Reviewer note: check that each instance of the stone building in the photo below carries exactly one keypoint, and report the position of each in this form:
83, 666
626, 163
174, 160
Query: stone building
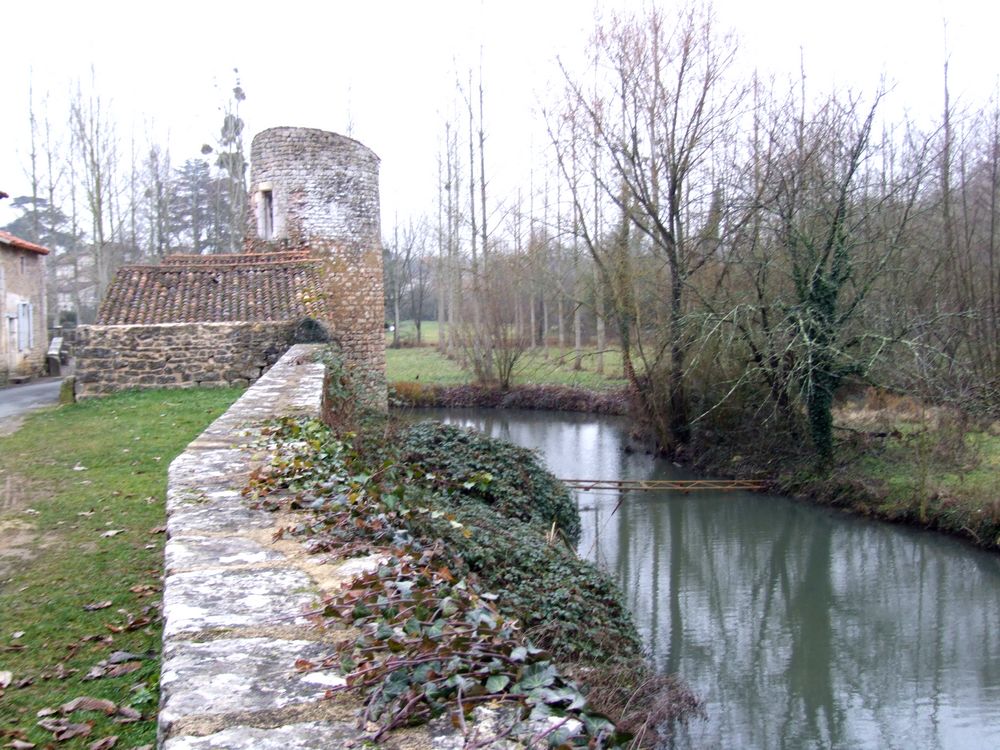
23, 340
311, 271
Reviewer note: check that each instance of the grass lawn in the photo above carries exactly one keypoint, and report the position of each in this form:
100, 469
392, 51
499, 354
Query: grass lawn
424, 364
408, 333
81, 560
553, 366
557, 369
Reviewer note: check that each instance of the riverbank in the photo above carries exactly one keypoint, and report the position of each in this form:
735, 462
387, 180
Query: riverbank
479, 595
553, 397
898, 461
923, 468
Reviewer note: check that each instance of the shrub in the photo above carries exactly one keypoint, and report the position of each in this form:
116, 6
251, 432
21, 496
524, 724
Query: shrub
413, 393
506, 477
566, 605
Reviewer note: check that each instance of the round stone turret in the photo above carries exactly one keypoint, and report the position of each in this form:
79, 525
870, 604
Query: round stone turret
310, 188
315, 191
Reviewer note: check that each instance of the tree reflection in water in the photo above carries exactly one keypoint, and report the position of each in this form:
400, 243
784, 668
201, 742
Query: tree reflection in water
799, 627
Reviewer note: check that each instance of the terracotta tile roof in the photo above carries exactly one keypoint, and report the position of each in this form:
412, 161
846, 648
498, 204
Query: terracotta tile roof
9, 239
194, 289
242, 259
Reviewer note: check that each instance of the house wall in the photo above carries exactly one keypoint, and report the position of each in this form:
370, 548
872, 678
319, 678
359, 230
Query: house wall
22, 280
310, 189
176, 355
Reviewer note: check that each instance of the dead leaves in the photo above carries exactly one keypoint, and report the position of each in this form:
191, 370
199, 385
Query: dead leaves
149, 614
94, 606
116, 665
127, 715
121, 714
105, 669
7, 679
64, 729
85, 703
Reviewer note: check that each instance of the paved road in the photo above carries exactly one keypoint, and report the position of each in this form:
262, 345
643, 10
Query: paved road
18, 400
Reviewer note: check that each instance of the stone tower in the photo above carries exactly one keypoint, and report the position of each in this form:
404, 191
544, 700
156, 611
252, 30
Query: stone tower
315, 191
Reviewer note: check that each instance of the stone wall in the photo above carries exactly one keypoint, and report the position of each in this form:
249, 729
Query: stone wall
324, 192
176, 355
310, 189
237, 599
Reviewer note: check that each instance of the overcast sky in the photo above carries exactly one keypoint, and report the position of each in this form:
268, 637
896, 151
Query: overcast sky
385, 69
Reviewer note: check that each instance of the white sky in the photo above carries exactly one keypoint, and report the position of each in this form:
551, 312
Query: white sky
387, 67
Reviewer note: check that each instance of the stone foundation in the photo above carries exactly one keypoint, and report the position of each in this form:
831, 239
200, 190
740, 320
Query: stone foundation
176, 355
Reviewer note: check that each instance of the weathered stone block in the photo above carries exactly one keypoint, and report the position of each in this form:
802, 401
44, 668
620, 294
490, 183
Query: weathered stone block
220, 598
313, 735
239, 675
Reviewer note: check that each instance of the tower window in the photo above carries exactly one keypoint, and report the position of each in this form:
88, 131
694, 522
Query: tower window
267, 214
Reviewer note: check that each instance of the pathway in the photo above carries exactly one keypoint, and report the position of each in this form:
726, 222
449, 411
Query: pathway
17, 400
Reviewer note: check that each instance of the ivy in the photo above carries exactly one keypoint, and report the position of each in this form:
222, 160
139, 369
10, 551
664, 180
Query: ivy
455, 617
432, 643
518, 487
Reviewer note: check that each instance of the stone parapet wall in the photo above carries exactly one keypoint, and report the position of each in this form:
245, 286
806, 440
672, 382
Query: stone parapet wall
176, 355
237, 599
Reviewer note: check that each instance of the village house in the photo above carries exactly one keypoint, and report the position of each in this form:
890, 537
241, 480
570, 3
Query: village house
23, 340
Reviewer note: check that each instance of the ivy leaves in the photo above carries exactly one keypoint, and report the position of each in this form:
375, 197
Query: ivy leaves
431, 643
506, 477
433, 640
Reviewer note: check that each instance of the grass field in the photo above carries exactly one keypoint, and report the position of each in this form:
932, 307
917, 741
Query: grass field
424, 364
81, 560
550, 366
408, 333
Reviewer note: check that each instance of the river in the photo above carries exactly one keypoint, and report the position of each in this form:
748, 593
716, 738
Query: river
799, 627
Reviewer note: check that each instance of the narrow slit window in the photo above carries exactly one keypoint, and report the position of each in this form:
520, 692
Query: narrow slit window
267, 214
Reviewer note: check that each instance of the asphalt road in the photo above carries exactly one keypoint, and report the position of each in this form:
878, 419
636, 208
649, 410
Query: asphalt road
18, 400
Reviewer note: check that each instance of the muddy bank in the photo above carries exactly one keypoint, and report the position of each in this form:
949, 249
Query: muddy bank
548, 397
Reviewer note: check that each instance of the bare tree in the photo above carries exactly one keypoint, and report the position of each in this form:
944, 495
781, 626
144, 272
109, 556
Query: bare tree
656, 123
96, 154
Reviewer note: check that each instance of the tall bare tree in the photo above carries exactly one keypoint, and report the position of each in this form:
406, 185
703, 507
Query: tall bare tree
657, 120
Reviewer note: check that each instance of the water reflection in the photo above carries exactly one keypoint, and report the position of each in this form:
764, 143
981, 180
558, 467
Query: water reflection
801, 628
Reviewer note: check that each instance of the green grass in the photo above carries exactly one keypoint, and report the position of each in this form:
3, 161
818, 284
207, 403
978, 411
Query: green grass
909, 468
72, 475
424, 364
557, 369
408, 333
553, 366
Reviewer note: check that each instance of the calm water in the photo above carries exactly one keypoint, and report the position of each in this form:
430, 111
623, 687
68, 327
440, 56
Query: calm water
799, 627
